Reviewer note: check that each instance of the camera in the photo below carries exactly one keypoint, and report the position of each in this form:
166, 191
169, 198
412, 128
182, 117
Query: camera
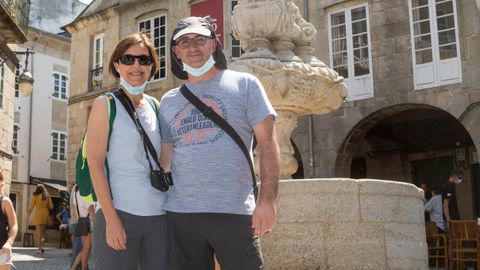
161, 180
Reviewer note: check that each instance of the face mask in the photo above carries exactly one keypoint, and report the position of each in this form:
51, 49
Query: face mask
458, 180
134, 90
197, 72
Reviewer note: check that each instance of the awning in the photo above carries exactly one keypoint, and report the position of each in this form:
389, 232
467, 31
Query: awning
60, 185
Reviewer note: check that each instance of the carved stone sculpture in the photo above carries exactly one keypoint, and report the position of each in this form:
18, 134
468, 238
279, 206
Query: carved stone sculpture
277, 43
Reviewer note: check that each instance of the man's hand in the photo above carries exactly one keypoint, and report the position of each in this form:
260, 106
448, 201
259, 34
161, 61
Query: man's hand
264, 218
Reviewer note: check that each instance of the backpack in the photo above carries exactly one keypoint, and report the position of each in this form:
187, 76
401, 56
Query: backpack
82, 175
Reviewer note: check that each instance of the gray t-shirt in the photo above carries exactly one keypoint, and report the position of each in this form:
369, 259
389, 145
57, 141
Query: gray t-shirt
210, 172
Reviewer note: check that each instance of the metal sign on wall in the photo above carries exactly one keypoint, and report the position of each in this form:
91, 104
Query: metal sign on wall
214, 9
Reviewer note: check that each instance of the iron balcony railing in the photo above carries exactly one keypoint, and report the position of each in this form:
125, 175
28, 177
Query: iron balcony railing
96, 79
19, 11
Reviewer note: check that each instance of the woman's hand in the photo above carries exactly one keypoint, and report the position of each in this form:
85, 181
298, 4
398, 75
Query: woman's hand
115, 234
7, 248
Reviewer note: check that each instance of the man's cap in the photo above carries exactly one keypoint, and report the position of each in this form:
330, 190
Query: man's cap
192, 25
200, 26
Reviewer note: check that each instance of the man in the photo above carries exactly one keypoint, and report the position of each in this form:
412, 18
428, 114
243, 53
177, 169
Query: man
450, 209
211, 207
435, 208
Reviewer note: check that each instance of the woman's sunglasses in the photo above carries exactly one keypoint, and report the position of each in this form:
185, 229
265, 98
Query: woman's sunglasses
129, 59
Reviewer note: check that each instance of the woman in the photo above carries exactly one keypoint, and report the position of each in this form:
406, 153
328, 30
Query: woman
83, 209
8, 228
42, 202
130, 226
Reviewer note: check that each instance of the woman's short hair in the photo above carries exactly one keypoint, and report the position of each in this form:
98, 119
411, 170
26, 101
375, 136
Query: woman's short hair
128, 42
1, 176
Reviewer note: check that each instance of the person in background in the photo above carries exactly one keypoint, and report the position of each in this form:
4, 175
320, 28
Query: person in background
426, 196
8, 228
63, 217
84, 209
434, 207
130, 228
42, 203
76, 240
211, 208
449, 197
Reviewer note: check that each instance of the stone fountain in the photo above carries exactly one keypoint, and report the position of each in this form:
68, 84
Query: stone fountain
323, 223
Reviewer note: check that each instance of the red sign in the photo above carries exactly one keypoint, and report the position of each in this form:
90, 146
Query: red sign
214, 9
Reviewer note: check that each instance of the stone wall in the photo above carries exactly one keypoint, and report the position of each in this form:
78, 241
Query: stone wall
347, 224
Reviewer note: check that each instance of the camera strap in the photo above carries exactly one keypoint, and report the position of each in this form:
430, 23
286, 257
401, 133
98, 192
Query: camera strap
147, 144
223, 124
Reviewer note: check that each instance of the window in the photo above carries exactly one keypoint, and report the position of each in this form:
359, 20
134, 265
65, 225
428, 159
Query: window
435, 53
59, 86
156, 29
96, 73
59, 142
17, 75
350, 50
235, 48
15, 138
2, 83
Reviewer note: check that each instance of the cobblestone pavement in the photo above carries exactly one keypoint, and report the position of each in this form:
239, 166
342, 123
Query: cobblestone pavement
52, 259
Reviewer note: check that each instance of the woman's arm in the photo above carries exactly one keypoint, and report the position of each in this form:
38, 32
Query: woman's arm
97, 140
8, 209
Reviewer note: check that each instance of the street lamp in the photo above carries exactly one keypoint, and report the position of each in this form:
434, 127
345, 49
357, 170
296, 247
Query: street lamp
25, 80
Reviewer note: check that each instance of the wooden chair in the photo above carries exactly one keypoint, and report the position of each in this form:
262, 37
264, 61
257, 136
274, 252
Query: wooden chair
464, 235
437, 245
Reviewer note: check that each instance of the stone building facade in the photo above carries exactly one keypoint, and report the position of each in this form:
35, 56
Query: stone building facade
40, 124
13, 31
412, 111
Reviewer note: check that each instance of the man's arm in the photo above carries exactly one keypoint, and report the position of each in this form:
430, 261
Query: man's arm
265, 216
446, 212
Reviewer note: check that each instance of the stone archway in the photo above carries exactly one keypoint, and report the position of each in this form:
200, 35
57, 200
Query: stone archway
407, 128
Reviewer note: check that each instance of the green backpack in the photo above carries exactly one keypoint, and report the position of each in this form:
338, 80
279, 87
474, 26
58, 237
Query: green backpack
83, 179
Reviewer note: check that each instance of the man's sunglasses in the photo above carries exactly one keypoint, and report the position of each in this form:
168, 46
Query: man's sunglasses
187, 42
129, 59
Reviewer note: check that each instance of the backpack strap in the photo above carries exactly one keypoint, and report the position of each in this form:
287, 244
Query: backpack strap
153, 102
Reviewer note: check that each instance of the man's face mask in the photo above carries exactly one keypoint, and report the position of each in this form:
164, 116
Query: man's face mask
458, 180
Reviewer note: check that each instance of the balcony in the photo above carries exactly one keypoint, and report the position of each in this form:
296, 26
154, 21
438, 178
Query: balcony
14, 16
96, 79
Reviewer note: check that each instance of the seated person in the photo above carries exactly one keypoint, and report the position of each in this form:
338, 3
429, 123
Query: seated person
434, 206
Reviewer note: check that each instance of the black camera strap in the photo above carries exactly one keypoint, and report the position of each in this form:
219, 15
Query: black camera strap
223, 124
147, 144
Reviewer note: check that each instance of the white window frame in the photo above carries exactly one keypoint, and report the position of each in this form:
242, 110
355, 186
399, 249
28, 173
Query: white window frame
97, 61
16, 129
56, 143
359, 87
62, 93
234, 43
162, 50
438, 72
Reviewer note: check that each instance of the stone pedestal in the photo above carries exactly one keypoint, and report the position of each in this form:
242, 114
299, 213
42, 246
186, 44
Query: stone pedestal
347, 224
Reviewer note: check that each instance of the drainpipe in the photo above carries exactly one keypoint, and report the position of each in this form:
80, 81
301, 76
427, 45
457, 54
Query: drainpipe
311, 144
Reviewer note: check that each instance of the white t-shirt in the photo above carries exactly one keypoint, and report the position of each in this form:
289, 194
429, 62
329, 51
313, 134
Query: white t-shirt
82, 205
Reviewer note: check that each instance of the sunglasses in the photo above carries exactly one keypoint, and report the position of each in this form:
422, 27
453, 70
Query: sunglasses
128, 59
187, 42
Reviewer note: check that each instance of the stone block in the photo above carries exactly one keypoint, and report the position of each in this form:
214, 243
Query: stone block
391, 208
355, 246
384, 187
305, 240
406, 246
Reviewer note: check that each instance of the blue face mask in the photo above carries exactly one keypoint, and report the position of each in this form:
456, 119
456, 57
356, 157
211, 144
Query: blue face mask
134, 90
197, 72
458, 180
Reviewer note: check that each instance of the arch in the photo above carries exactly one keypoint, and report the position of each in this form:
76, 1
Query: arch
353, 141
